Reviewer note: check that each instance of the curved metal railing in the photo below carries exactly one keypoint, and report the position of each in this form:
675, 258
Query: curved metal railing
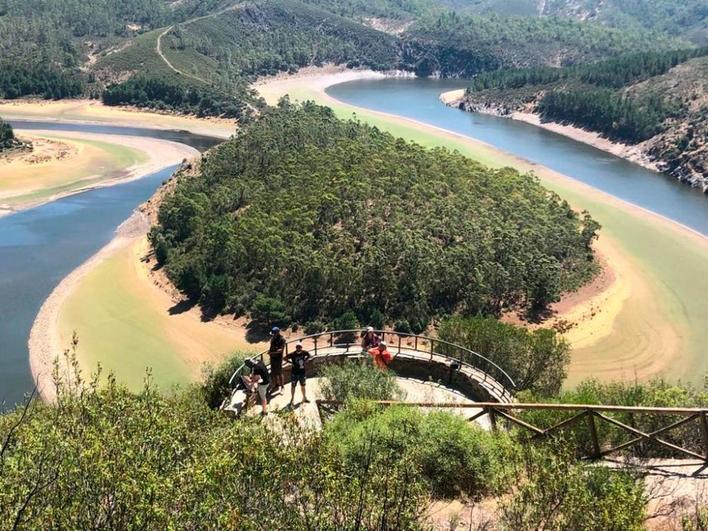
348, 342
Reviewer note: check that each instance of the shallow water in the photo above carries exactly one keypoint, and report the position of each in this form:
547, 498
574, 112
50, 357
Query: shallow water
42, 245
418, 99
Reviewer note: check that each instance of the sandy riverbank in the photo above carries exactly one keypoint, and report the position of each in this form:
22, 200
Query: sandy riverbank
128, 318
92, 111
646, 321
633, 322
70, 162
633, 154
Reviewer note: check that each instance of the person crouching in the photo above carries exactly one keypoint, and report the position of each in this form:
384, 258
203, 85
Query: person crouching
258, 381
381, 356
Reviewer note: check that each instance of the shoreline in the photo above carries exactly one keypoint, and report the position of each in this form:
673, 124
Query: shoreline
44, 343
160, 154
92, 112
318, 81
330, 78
633, 154
653, 318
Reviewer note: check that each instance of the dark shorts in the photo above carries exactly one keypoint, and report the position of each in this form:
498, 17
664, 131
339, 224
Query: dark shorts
276, 364
296, 377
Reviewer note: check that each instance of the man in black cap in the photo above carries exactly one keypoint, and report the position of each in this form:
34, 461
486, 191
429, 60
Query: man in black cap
275, 352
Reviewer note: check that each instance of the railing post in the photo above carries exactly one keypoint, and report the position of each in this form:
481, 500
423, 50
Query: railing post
399, 344
704, 431
416, 343
315, 340
593, 434
492, 418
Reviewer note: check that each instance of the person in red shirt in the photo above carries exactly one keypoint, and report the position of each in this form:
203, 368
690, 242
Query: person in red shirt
381, 356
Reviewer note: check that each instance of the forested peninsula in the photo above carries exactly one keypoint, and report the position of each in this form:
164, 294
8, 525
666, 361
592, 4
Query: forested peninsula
303, 219
654, 100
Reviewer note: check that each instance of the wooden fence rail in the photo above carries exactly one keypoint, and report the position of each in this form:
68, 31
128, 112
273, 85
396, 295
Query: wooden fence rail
593, 415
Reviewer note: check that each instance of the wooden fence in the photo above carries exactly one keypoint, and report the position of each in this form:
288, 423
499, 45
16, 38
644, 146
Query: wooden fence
592, 415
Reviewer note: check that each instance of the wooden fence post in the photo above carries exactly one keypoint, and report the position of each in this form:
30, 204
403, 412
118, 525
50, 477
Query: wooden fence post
593, 434
704, 431
492, 418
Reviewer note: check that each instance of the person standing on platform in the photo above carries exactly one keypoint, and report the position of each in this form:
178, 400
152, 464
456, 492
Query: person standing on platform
298, 374
275, 353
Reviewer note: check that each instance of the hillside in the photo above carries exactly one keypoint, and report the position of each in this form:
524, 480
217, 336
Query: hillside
454, 45
199, 57
351, 198
686, 19
655, 101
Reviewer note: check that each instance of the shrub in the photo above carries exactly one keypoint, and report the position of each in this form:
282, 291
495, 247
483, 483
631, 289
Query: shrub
269, 311
346, 321
535, 359
314, 327
454, 456
657, 393
358, 380
168, 462
376, 319
403, 326
558, 494
215, 386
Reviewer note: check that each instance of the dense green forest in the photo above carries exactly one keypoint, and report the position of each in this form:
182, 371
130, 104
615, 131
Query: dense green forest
305, 217
41, 80
464, 45
686, 19
170, 93
274, 36
68, 48
611, 73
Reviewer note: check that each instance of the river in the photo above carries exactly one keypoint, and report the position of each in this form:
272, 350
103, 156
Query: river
419, 100
42, 245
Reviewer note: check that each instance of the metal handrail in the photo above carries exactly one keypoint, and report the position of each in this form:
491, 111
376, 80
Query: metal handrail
485, 364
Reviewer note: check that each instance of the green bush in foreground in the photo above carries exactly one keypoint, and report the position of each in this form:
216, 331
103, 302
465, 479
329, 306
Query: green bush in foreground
358, 380
556, 493
107, 458
110, 459
454, 456
215, 382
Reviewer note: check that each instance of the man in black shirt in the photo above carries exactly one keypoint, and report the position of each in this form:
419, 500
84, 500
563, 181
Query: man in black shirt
275, 352
258, 380
298, 374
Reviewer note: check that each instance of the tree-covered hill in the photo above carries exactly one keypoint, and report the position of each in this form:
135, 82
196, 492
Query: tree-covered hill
657, 99
199, 56
311, 218
686, 19
451, 44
